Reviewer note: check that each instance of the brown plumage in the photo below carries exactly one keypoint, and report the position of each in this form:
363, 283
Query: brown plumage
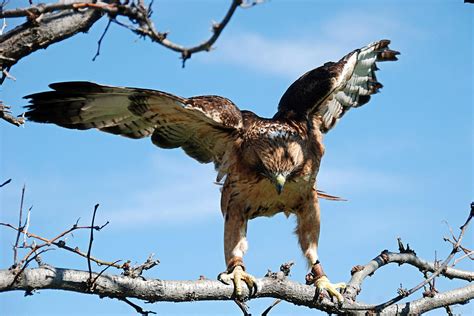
269, 165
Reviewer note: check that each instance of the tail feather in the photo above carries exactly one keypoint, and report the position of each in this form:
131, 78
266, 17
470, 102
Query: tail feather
324, 195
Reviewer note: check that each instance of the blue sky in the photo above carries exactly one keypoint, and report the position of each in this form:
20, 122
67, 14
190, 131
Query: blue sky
404, 161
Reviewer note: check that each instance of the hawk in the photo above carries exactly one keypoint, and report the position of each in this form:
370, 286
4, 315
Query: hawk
267, 165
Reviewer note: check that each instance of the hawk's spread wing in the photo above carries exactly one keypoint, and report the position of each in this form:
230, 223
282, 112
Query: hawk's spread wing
330, 90
203, 126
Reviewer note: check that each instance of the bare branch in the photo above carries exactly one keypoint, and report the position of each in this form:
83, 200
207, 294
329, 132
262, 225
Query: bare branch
249, 4
91, 240
26, 226
275, 303
50, 23
62, 244
274, 285
25, 265
115, 286
243, 307
135, 272
466, 251
102, 272
5, 183
361, 272
435, 273
5, 113
20, 221
138, 308
36, 10
99, 43
7, 75
4, 26
32, 35
466, 255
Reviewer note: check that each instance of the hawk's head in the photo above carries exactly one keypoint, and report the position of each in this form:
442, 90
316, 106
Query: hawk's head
279, 160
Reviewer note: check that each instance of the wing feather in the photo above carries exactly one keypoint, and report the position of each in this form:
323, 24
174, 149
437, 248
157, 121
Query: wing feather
329, 91
203, 126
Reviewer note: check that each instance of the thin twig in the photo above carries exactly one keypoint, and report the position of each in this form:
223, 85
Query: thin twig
243, 307
99, 43
4, 25
464, 249
5, 183
138, 308
468, 255
449, 311
91, 239
471, 215
18, 274
135, 272
20, 221
26, 225
5, 113
249, 4
442, 267
103, 270
269, 308
62, 244
7, 75
138, 14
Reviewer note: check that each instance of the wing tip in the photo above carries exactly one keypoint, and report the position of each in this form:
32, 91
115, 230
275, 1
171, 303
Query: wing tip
65, 86
382, 44
388, 55
75, 86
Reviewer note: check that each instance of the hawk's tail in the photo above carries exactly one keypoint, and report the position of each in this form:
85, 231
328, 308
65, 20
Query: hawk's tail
324, 195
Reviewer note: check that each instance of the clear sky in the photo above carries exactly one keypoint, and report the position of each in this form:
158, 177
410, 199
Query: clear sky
404, 161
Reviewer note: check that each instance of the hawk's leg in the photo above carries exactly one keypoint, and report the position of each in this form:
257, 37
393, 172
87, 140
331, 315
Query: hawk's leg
308, 220
235, 245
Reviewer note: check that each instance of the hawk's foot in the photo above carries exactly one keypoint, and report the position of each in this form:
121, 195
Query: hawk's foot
322, 283
332, 289
236, 276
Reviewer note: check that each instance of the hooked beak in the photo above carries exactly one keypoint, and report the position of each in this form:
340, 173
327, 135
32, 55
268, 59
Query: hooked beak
280, 183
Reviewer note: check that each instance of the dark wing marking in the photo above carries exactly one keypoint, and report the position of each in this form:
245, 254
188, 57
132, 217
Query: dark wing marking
202, 126
85, 105
329, 91
204, 132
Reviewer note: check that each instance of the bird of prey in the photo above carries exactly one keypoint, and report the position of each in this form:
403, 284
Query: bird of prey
267, 165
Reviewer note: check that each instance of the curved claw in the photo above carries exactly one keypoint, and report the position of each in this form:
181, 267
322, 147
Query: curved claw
323, 284
236, 277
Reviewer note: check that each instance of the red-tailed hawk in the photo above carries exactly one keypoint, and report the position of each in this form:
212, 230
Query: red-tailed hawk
269, 165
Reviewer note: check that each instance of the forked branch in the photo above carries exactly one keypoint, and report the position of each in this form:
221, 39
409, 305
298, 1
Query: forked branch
50, 23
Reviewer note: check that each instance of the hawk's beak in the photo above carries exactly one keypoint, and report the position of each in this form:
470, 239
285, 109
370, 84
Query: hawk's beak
280, 183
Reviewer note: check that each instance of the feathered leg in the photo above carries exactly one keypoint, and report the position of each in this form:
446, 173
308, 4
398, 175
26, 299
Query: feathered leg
235, 245
308, 220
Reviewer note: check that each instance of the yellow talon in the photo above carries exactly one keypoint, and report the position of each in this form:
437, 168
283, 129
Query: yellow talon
238, 275
323, 284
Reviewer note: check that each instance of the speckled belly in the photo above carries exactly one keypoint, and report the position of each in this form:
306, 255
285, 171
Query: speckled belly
260, 198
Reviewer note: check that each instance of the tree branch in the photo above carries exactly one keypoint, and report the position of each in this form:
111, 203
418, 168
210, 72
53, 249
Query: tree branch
5, 112
32, 36
50, 23
276, 285
115, 286
361, 272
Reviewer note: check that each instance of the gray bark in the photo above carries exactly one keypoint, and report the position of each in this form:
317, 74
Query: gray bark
54, 27
118, 286
354, 285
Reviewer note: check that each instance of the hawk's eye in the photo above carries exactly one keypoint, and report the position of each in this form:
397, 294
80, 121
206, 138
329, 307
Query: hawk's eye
260, 169
294, 173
